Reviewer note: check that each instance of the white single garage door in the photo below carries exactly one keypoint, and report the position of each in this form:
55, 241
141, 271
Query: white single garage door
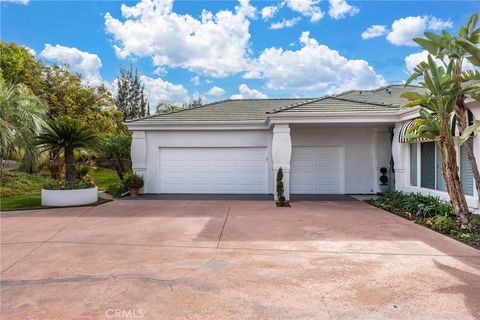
316, 170
213, 170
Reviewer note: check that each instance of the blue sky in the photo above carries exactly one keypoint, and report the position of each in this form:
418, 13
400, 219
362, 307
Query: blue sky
223, 49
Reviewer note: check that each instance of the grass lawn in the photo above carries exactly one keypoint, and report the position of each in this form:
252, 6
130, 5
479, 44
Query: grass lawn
31, 201
24, 201
104, 177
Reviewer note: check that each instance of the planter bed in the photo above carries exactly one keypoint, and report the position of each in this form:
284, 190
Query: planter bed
470, 237
64, 198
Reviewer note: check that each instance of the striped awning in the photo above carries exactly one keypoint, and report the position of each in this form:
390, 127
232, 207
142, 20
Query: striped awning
407, 125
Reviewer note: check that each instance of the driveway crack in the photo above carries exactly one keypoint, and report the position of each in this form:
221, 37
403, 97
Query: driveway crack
223, 227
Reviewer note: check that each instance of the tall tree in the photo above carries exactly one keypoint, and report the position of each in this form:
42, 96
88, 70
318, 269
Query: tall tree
18, 65
452, 51
437, 106
130, 98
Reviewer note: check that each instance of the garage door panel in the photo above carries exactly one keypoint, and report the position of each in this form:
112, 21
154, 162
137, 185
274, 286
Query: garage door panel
317, 170
213, 170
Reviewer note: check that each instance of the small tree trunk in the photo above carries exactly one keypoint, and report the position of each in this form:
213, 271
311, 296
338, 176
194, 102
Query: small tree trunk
70, 170
116, 163
452, 179
462, 123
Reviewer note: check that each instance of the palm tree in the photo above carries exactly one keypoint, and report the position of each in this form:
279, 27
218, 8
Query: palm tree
66, 134
22, 116
438, 104
452, 51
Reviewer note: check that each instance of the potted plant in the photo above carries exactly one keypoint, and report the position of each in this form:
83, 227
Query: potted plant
133, 182
64, 135
383, 180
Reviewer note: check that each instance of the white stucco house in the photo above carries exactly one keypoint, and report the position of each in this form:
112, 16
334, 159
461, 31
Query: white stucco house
329, 145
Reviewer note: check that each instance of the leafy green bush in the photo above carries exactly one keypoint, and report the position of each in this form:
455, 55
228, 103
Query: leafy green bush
132, 180
115, 189
443, 224
53, 185
413, 205
85, 183
15, 183
475, 222
83, 170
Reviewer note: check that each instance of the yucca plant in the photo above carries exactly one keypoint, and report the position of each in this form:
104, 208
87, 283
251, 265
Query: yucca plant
21, 118
66, 134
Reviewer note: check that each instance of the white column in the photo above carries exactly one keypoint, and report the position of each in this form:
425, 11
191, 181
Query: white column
139, 155
281, 155
399, 154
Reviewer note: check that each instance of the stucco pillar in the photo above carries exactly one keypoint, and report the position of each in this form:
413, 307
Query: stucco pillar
139, 155
281, 156
399, 154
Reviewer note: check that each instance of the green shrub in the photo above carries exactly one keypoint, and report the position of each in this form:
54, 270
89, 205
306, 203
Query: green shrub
280, 190
53, 185
413, 205
86, 183
83, 170
475, 221
132, 180
443, 224
115, 189
13, 183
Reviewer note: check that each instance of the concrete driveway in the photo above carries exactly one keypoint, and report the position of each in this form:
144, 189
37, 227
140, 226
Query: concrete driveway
180, 259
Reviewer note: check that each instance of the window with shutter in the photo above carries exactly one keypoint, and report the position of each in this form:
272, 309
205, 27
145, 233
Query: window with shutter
413, 164
427, 153
466, 174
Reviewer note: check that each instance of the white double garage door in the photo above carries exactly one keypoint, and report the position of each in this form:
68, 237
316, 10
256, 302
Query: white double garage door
245, 170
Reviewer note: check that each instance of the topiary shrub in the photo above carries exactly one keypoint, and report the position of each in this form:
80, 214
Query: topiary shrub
281, 201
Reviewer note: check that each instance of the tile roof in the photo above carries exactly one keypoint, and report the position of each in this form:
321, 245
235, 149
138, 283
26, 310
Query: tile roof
383, 99
336, 104
388, 95
248, 110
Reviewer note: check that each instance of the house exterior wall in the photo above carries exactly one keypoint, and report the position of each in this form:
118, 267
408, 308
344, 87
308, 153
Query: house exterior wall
366, 151
401, 155
154, 140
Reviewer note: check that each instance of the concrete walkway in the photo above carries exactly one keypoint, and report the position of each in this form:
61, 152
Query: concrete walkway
232, 259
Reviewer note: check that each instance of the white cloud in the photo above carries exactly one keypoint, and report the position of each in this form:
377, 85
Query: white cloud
308, 8
86, 64
340, 9
30, 50
374, 32
216, 91
25, 2
439, 24
246, 93
285, 23
313, 67
269, 12
405, 29
158, 90
195, 80
412, 60
214, 44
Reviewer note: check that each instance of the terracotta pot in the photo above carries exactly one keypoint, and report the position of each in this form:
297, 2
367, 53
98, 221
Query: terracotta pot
134, 192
